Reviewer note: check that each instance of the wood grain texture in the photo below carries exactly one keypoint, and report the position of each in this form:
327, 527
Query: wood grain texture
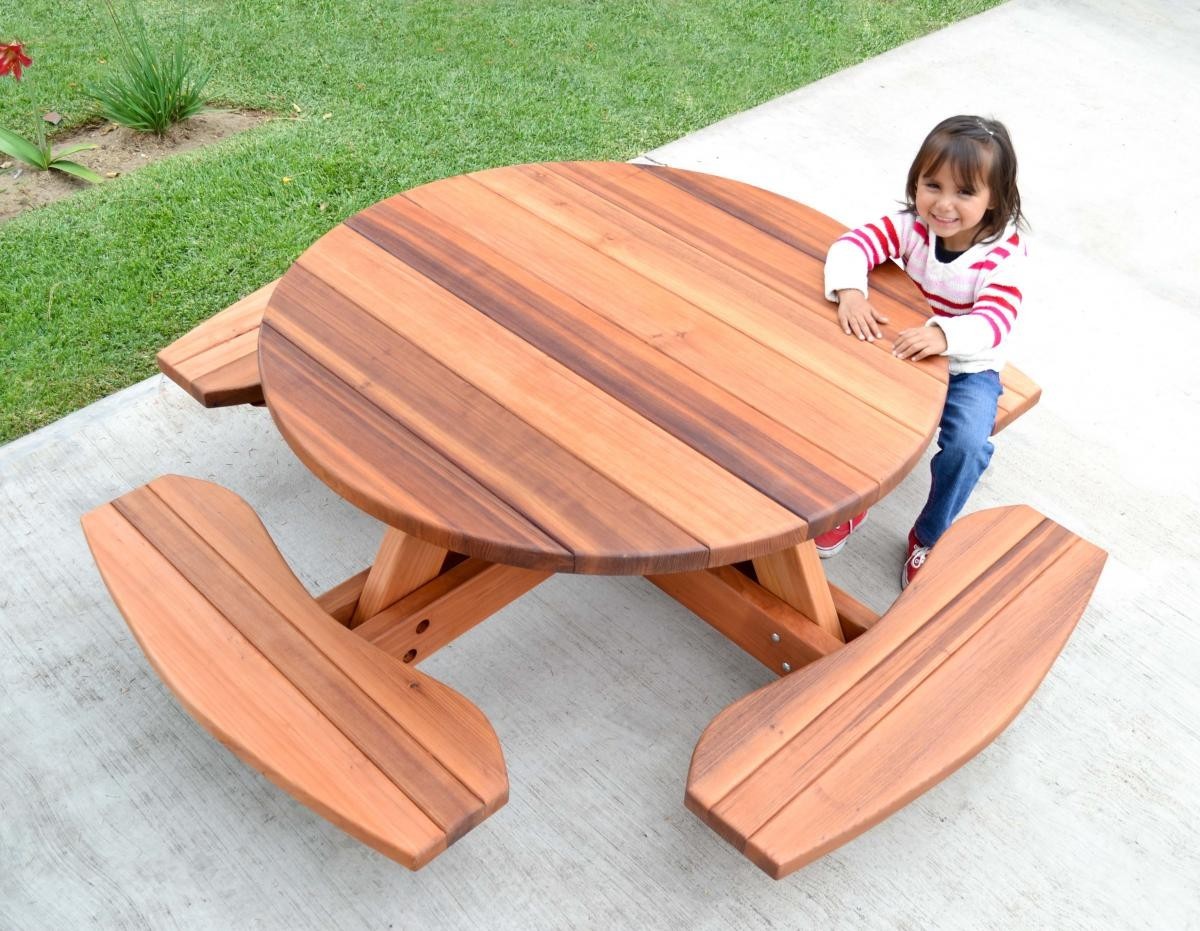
709, 420
367, 458
631, 377
803, 331
656, 468
411, 394
745, 368
217, 361
390, 755
402, 565
799, 767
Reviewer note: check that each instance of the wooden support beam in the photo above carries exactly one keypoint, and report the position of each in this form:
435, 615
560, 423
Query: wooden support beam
855, 616
765, 626
795, 575
403, 564
423, 622
339, 602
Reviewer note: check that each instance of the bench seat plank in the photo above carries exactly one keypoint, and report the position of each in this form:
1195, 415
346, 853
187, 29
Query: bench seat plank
217, 361
1020, 394
329, 718
803, 765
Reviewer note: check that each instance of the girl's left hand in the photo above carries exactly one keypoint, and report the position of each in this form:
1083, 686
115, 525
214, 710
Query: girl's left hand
918, 342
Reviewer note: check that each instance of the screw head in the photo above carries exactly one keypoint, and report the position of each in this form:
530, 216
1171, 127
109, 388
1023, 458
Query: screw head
774, 638
787, 667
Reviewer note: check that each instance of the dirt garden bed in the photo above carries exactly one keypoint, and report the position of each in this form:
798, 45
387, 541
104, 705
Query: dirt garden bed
119, 151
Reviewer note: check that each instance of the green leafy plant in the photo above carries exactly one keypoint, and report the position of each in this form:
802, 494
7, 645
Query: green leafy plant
150, 90
13, 60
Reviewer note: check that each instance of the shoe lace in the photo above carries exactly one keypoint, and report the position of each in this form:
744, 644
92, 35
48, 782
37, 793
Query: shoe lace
917, 559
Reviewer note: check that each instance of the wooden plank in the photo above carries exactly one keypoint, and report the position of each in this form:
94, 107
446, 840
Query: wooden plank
419, 625
235, 382
966, 701
434, 742
263, 621
244, 702
686, 405
795, 575
402, 565
216, 362
868, 701
603, 528
238, 318
729, 517
219, 355
369, 459
757, 726
765, 626
798, 773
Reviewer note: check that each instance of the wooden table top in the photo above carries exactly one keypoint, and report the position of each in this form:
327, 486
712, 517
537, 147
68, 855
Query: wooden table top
593, 367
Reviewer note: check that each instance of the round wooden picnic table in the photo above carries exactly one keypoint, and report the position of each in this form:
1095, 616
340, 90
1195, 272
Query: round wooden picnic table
593, 367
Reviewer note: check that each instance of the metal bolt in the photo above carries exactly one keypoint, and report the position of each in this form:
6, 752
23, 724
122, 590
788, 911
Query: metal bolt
787, 667
774, 638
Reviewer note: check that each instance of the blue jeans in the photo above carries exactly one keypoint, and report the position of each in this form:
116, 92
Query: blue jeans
964, 450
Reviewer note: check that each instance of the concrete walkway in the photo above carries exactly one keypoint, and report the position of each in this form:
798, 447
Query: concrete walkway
117, 811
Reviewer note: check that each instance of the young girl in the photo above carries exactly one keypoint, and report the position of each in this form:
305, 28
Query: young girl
958, 240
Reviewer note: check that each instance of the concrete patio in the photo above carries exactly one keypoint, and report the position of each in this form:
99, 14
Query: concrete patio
118, 811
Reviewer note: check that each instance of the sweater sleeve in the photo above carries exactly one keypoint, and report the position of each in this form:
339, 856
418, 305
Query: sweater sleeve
995, 310
854, 254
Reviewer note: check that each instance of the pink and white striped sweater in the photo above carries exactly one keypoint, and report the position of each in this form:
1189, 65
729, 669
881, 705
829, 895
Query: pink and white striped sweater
975, 299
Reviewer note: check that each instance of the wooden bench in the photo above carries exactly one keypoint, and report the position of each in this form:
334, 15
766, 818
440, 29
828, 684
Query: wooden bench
217, 362
388, 754
1020, 394
803, 765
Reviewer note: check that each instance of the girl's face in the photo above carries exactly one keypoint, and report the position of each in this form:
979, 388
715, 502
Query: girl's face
953, 212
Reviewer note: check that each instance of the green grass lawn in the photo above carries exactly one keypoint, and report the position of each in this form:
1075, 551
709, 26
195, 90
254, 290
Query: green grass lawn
92, 286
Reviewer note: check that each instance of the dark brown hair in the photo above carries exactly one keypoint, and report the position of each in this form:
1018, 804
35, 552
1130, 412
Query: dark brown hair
979, 151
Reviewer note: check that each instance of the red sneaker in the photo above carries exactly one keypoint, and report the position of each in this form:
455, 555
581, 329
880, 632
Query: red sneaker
831, 542
914, 561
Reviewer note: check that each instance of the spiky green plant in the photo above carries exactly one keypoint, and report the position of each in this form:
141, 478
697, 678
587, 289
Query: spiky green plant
150, 89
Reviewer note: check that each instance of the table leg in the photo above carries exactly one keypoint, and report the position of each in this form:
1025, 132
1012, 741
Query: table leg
403, 565
795, 575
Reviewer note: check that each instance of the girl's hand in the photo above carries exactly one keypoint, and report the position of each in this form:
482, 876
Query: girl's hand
918, 342
857, 316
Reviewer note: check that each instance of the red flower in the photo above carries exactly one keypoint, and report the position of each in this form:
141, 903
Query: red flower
13, 58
